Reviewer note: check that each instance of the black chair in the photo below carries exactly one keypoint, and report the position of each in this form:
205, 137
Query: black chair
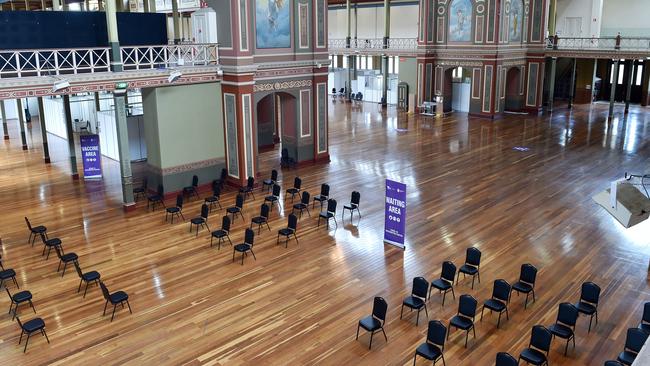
499, 301
175, 210
526, 283
333, 90
29, 327
262, 219
322, 197
612, 363
434, 346
588, 304
88, 277
445, 283
267, 184
565, 324
35, 230
297, 182
237, 208
17, 299
214, 199
246, 246
302, 205
222, 233
634, 341
115, 298
248, 188
7, 274
156, 198
353, 205
506, 359
464, 319
64, 258
192, 189
540, 343
417, 300
202, 220
285, 160
140, 191
471, 266
222, 178
274, 197
49, 244
645, 319
376, 321
292, 227
329, 214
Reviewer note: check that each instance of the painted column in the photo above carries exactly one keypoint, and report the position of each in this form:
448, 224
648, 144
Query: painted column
612, 93
176, 21
551, 87
572, 87
645, 84
552, 14
3, 115
120, 110
21, 121
41, 118
241, 151
152, 5
146, 6
354, 57
348, 87
70, 133
628, 89
384, 92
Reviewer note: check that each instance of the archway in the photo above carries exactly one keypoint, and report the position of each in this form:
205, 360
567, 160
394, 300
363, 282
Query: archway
276, 122
514, 97
456, 89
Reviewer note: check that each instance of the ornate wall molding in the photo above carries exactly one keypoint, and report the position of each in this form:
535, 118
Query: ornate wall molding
283, 72
282, 85
185, 167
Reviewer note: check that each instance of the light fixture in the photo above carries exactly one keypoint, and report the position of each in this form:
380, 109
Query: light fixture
174, 75
60, 85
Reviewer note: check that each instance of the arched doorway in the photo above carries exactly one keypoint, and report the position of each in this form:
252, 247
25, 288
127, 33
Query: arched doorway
276, 122
456, 89
514, 97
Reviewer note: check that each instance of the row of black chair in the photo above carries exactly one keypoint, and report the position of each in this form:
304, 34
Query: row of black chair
635, 338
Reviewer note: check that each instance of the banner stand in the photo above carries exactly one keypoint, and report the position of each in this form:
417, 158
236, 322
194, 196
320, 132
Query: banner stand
395, 214
90, 155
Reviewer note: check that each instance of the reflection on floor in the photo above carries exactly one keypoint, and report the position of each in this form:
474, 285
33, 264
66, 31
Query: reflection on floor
517, 188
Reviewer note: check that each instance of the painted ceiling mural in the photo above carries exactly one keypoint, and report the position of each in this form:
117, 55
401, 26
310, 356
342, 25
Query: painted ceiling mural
516, 20
460, 21
273, 23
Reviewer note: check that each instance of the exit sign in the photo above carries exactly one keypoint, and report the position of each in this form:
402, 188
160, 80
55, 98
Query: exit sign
121, 85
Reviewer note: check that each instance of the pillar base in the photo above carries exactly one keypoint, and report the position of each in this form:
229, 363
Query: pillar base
25, 147
6, 137
47, 160
75, 176
129, 207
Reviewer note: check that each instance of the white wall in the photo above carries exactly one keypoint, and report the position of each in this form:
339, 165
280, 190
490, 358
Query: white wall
630, 17
403, 22
588, 11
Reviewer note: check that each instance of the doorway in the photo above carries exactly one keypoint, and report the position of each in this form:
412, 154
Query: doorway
514, 97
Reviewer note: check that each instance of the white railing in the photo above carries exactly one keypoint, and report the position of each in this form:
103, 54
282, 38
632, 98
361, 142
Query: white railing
375, 44
50, 62
605, 43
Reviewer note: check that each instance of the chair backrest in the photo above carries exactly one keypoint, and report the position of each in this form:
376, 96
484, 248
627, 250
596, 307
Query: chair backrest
612, 363
144, 183
437, 333
79, 272
274, 175
293, 222
646, 312
528, 273
29, 225
239, 201
216, 190
276, 190
448, 271
195, 181
356, 198
501, 290
567, 314
297, 182
105, 292
473, 256
225, 223
467, 306
505, 359
324, 189
540, 338
285, 153
590, 292
179, 201
161, 190
224, 174
635, 339
264, 210
379, 308
305, 198
249, 236
331, 205
205, 210
420, 287
250, 182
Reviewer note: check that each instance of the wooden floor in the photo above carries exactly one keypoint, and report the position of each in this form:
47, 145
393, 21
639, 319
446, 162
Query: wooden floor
467, 186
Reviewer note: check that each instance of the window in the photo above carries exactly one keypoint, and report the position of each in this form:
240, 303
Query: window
391, 68
639, 74
363, 62
345, 62
621, 71
396, 65
457, 73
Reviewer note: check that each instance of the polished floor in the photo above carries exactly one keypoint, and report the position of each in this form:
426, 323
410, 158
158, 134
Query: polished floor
467, 186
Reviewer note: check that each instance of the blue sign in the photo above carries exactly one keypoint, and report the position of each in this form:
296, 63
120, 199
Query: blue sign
91, 156
395, 215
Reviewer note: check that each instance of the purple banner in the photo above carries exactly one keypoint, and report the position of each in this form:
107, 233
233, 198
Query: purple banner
395, 215
90, 156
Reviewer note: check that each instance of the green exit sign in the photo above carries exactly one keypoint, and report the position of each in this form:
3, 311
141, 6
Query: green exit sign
121, 85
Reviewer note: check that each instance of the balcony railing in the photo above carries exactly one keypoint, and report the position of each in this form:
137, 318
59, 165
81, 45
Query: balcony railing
50, 62
406, 44
603, 44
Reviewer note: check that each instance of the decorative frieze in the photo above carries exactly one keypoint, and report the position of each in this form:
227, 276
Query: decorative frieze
282, 85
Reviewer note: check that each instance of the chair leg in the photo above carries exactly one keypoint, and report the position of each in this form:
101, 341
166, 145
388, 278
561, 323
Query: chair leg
371, 334
86, 290
425, 311
65, 264
129, 305
566, 347
113, 316
253, 253
499, 321
444, 294
105, 305
483, 308
45, 334
417, 319
414, 357
25, 349
382, 330
473, 278
590, 319
466, 336
16, 283
401, 312
358, 326
526, 301
32, 305
453, 293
